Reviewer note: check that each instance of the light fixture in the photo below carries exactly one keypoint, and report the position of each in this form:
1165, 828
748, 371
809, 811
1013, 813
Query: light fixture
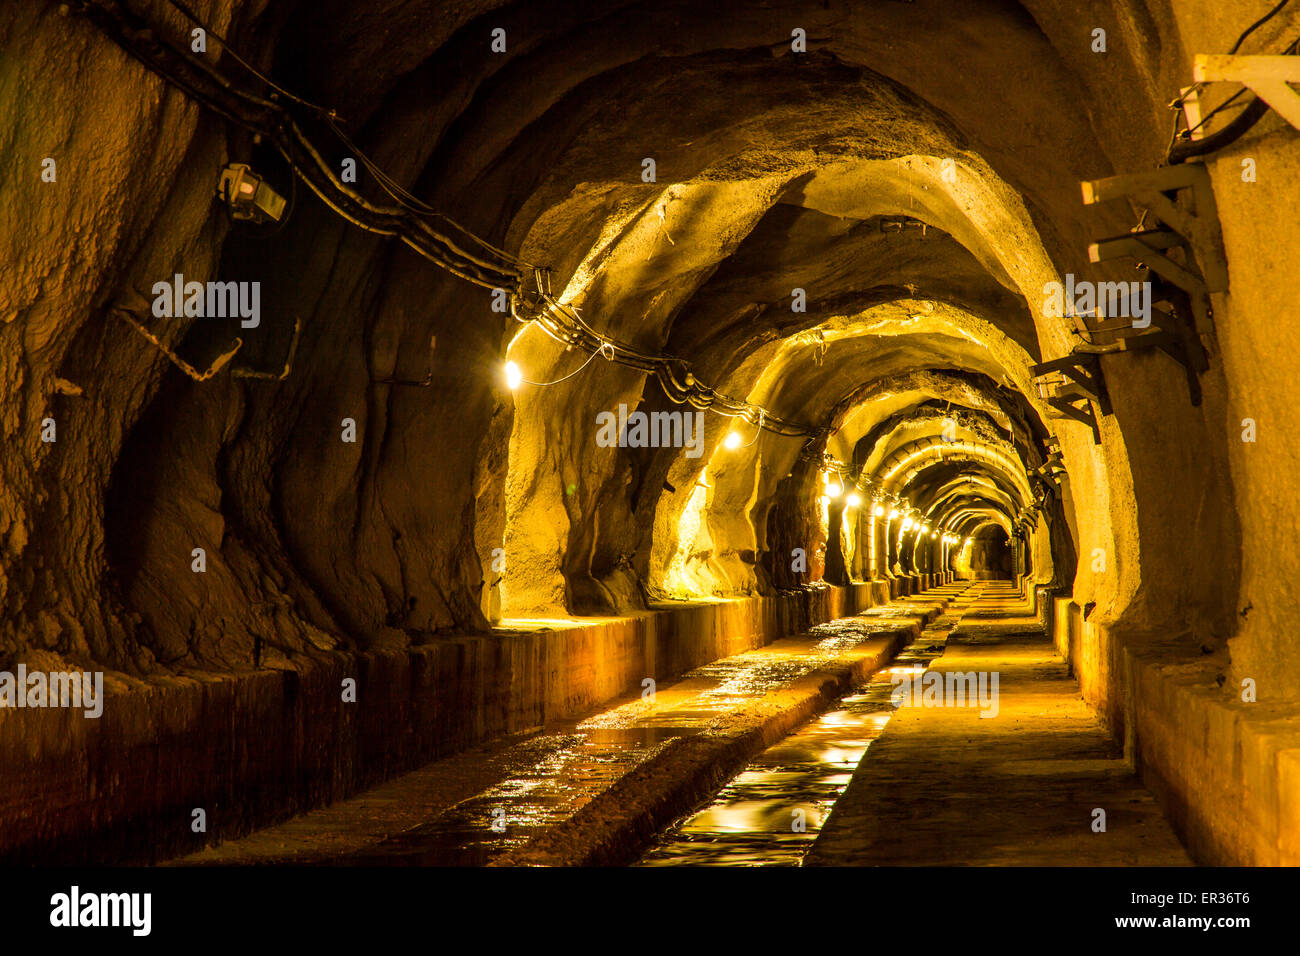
732, 441
514, 377
853, 500
893, 513
907, 523
247, 195
833, 487
878, 511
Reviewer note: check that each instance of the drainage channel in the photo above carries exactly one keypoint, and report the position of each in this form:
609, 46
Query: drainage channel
771, 812
547, 780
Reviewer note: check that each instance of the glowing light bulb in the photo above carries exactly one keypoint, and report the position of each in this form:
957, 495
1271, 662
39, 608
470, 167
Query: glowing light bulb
907, 523
853, 501
893, 513
514, 377
934, 534
878, 511
833, 488
732, 440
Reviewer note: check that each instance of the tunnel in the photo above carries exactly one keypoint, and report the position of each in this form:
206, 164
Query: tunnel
625, 433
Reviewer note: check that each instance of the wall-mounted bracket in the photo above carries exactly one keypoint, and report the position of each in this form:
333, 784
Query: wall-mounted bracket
1083, 384
244, 371
1268, 77
220, 362
902, 223
1169, 331
1052, 469
1189, 101
1182, 200
1080, 412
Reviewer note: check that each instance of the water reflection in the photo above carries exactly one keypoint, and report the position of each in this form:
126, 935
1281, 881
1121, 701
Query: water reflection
770, 813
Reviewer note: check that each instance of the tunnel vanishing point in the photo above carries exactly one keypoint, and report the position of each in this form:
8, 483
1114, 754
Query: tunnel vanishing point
607, 431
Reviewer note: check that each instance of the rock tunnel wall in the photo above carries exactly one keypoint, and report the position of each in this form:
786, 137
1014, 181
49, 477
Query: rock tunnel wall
461, 505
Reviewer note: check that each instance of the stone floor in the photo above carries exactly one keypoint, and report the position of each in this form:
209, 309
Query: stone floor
944, 786
708, 769
561, 795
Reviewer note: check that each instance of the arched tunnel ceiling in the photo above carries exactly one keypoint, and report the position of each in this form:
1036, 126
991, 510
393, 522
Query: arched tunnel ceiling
818, 278
870, 173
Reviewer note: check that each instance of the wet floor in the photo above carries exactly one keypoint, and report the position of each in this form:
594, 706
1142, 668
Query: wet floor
530, 787
553, 777
819, 767
557, 774
770, 813
1035, 780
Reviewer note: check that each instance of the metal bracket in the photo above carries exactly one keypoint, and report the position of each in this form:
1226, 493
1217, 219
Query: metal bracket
1189, 101
901, 223
1182, 200
1171, 332
1084, 385
220, 362
244, 371
1268, 77
1052, 468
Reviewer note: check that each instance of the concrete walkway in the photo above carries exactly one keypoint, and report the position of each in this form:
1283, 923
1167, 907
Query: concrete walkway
944, 787
596, 790
937, 786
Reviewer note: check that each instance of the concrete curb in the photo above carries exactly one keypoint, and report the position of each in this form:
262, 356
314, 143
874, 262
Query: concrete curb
616, 826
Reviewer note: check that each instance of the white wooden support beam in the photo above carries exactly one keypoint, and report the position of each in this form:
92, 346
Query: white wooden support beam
1268, 77
1194, 217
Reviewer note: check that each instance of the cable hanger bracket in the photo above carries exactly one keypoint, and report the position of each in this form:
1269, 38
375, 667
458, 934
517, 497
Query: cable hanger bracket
1181, 198
1073, 396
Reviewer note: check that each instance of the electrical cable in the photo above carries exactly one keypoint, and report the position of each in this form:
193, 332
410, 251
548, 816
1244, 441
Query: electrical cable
1181, 151
590, 359
408, 221
1256, 25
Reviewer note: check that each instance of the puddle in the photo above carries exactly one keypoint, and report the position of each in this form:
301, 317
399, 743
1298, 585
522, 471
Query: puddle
771, 812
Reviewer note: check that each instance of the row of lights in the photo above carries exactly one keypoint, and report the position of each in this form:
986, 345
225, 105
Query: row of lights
515, 378
734, 440
854, 500
834, 489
